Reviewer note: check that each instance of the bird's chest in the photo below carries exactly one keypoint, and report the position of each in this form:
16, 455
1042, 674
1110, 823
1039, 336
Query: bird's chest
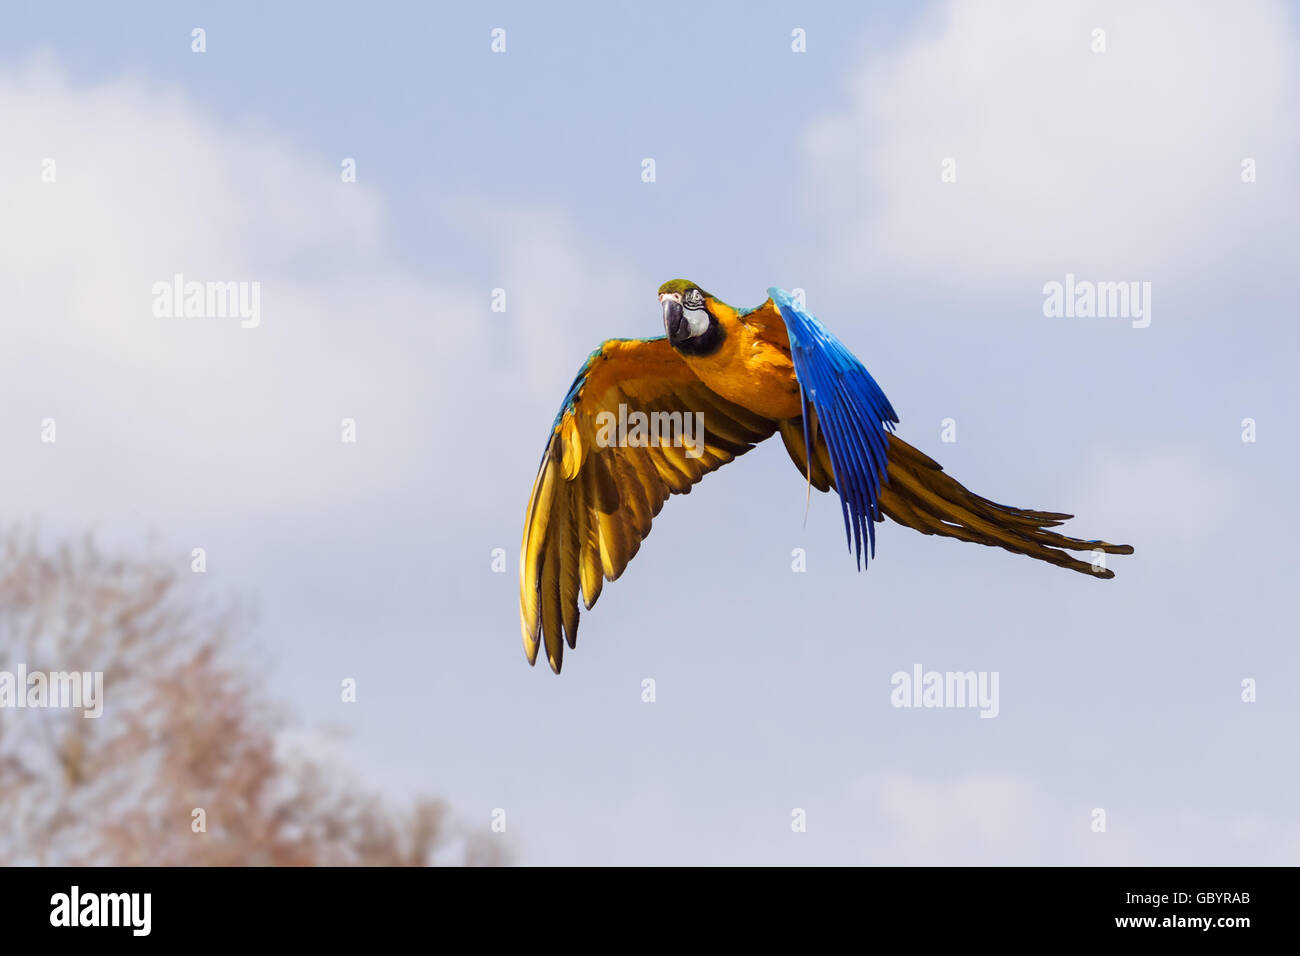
753, 372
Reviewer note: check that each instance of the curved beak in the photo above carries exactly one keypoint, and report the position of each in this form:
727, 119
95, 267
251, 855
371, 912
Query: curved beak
674, 322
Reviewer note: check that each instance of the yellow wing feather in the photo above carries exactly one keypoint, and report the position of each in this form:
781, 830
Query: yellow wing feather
592, 504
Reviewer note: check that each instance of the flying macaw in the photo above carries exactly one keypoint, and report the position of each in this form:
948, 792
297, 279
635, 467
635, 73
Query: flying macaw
744, 375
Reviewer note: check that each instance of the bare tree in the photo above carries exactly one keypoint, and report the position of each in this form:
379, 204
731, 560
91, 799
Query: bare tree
183, 767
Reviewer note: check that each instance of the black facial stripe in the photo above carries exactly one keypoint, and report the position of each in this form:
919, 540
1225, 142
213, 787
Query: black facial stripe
705, 344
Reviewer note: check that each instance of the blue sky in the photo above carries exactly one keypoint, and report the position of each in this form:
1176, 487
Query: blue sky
818, 170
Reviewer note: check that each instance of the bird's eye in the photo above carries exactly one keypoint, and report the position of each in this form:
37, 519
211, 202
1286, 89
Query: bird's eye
693, 299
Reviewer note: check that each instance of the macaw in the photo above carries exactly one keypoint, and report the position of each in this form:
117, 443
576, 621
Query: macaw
744, 375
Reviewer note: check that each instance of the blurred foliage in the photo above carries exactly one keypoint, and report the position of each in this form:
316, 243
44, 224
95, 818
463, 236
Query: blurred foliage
185, 727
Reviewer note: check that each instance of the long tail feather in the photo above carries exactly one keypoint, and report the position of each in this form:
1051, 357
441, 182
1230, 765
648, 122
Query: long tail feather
921, 495
918, 493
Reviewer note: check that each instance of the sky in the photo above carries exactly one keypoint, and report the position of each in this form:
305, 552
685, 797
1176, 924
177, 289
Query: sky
921, 171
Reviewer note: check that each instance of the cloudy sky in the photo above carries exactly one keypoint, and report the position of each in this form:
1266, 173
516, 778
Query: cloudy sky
922, 171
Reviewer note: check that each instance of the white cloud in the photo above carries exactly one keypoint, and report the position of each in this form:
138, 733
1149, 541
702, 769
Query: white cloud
1116, 165
903, 819
166, 420
985, 819
1004, 819
564, 297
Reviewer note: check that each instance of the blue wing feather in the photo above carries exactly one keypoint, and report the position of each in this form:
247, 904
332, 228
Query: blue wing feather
852, 412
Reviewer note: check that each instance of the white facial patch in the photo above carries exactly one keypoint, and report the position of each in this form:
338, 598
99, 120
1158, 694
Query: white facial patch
697, 320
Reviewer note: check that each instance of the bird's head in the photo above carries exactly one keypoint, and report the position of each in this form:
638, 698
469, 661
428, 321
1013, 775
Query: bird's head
691, 325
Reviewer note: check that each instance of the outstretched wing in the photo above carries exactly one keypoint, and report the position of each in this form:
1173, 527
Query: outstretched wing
921, 495
595, 496
853, 415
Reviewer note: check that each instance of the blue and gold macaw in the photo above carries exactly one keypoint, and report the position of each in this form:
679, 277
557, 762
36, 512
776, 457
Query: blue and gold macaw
746, 375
